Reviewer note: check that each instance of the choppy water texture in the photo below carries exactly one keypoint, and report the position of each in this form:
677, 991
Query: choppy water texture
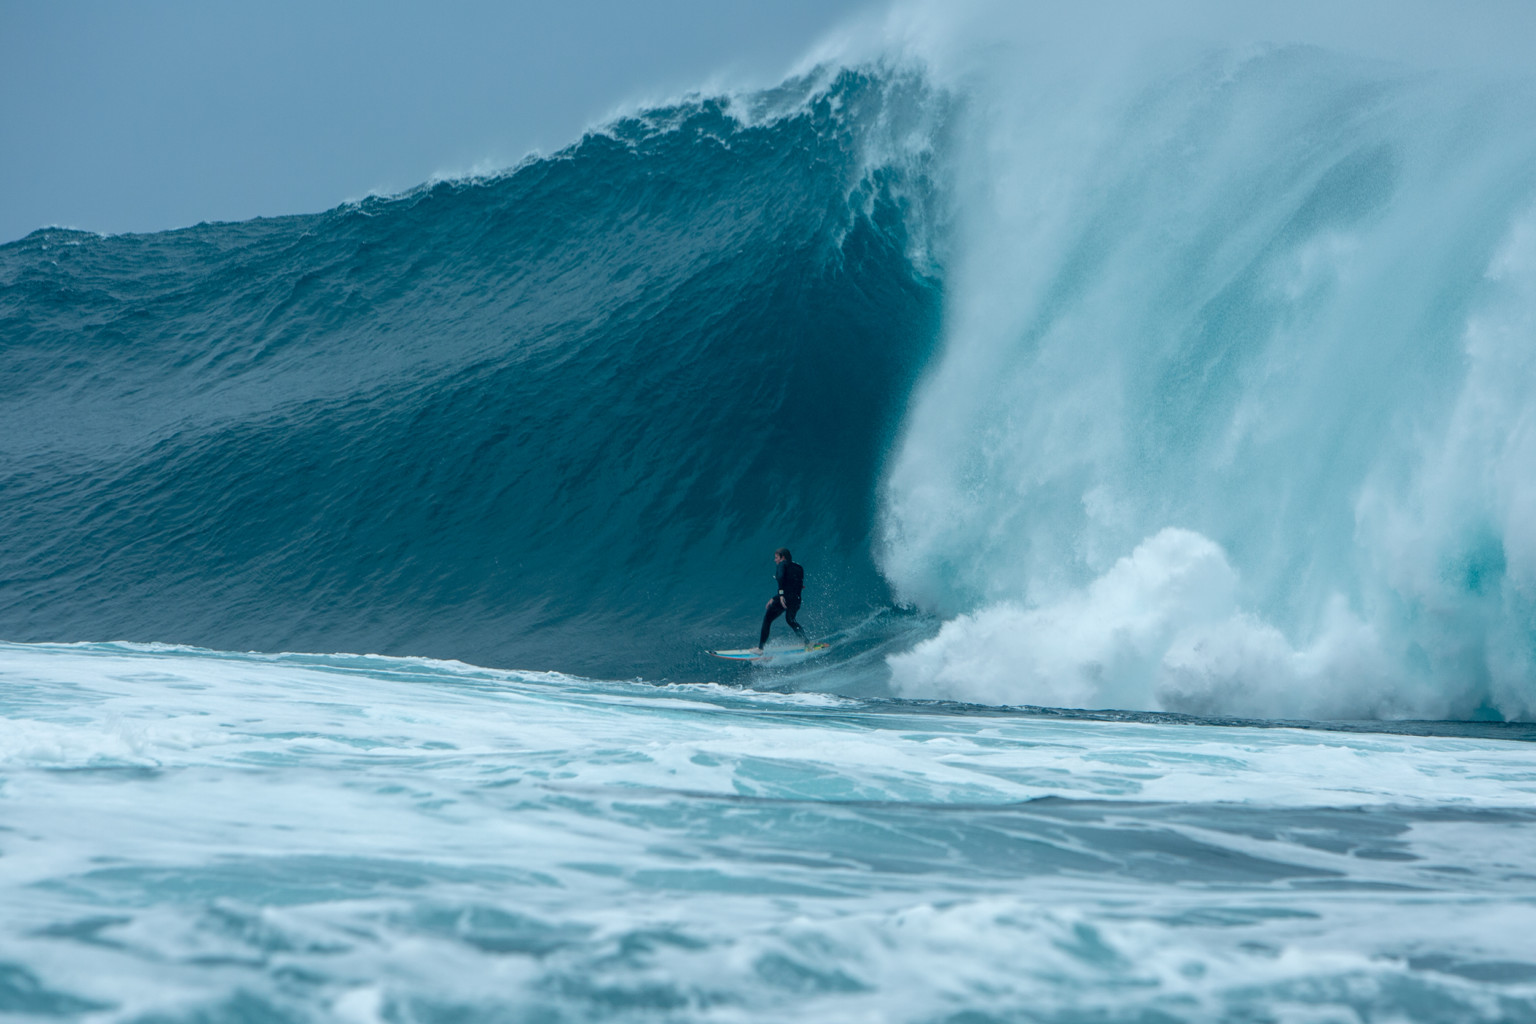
200, 836
1155, 424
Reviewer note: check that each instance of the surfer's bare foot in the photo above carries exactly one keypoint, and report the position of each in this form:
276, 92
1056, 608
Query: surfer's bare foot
757, 650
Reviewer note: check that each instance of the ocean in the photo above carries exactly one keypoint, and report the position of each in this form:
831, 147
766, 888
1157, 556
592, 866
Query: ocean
1160, 446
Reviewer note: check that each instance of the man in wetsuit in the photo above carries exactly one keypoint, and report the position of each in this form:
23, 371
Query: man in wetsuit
791, 580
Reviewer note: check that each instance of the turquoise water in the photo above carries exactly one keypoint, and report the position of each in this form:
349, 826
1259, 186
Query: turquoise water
1154, 423
203, 835
196, 835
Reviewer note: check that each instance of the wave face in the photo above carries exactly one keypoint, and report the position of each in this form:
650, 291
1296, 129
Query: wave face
1226, 409
1235, 401
561, 417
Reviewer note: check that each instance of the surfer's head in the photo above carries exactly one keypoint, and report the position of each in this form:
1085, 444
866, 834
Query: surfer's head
782, 555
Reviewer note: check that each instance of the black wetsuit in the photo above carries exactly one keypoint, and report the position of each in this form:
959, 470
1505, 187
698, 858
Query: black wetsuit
791, 579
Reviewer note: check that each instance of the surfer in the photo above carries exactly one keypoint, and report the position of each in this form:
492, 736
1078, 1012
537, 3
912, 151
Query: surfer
790, 577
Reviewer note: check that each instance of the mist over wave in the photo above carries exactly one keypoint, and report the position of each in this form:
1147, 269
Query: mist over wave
1232, 409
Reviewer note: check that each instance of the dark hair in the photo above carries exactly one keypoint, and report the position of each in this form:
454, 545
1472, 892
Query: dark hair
785, 553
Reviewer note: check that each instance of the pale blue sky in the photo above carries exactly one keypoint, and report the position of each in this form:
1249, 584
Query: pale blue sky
139, 116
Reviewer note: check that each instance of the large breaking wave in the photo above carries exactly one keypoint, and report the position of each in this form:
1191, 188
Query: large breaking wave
1235, 407
1227, 408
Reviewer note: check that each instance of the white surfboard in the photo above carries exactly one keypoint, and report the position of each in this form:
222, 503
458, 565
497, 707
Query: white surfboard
784, 656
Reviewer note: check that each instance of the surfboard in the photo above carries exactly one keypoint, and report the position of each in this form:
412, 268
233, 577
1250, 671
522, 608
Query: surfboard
784, 656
